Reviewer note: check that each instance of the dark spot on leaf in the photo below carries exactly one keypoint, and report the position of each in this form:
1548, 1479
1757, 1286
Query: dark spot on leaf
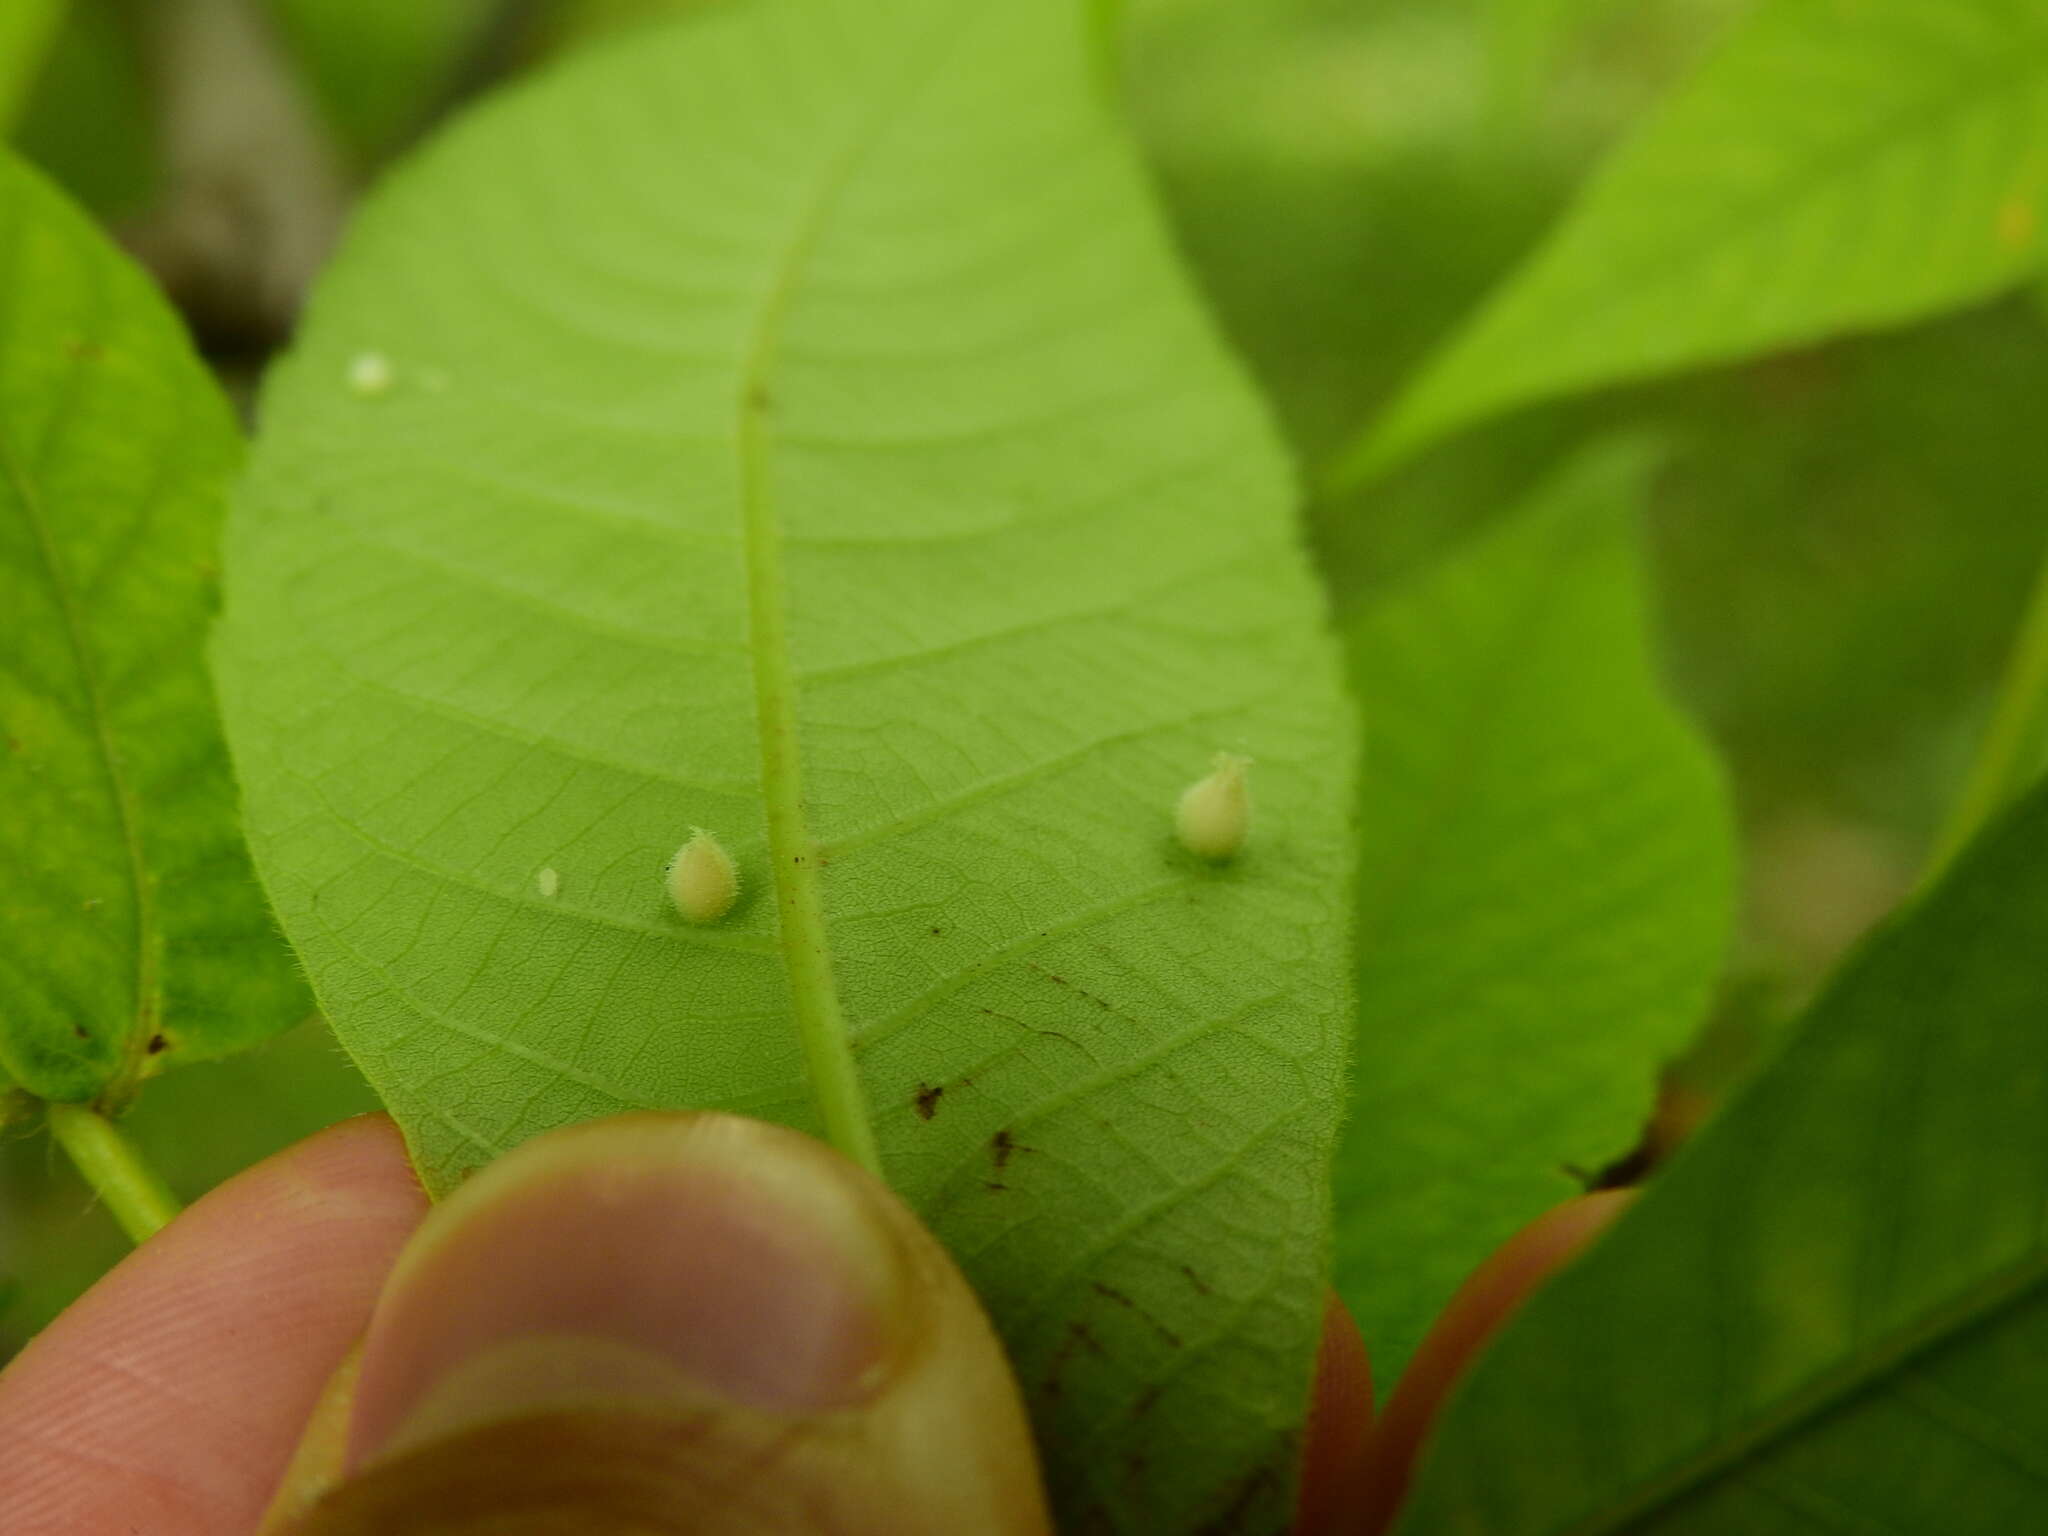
935, 932
1001, 1146
1147, 1401
158, 1043
80, 1031
1009, 1018
928, 1100
1112, 1294
1195, 1280
994, 1188
1079, 1336
1630, 1169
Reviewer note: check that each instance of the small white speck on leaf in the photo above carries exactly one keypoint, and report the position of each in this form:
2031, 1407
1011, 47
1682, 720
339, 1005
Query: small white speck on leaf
369, 374
1215, 813
549, 883
703, 881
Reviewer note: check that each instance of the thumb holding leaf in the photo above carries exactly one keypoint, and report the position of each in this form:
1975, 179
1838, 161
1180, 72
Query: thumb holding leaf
680, 1323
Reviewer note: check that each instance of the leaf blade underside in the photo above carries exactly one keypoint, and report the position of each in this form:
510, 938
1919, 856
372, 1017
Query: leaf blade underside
816, 378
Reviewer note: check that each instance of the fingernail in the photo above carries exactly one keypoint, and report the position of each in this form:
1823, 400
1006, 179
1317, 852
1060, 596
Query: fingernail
667, 1259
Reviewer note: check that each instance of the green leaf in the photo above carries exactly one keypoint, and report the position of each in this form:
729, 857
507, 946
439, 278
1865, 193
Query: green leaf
1821, 174
27, 28
1830, 1311
1525, 41
88, 121
796, 426
1545, 893
379, 66
135, 934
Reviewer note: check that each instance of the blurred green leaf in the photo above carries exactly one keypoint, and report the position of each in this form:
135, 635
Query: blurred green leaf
136, 935
379, 67
27, 29
1545, 892
1830, 1311
87, 122
1526, 39
1845, 539
794, 423
1817, 176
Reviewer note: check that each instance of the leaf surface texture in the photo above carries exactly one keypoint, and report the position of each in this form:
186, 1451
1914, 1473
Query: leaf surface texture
794, 425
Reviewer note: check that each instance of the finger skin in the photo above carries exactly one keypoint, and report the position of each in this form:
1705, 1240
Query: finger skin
569, 1401
168, 1399
1485, 1301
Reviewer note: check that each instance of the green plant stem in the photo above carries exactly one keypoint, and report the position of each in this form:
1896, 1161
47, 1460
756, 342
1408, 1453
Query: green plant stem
109, 1162
2010, 754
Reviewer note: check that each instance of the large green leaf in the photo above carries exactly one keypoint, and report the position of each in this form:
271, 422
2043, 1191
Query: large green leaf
1545, 893
796, 426
1829, 170
135, 934
1831, 1311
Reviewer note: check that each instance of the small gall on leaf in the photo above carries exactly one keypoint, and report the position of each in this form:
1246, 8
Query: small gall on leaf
549, 883
369, 374
1215, 813
703, 881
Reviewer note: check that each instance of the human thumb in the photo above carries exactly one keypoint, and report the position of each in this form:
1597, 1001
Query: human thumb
669, 1323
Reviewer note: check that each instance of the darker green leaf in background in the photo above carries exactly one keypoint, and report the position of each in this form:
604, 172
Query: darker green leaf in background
1832, 1309
1546, 889
27, 28
136, 933
1834, 167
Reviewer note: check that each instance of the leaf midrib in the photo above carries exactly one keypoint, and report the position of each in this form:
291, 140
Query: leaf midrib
1941, 1325
127, 813
793, 854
